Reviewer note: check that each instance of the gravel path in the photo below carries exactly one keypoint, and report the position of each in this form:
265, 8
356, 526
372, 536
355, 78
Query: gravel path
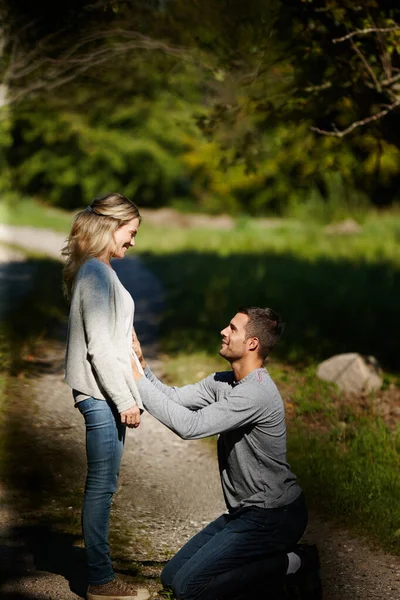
168, 487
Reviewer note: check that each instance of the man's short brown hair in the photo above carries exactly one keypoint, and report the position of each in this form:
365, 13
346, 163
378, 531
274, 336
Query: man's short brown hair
264, 324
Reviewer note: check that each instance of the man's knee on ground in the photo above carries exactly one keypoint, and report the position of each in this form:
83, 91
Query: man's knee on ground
187, 586
167, 575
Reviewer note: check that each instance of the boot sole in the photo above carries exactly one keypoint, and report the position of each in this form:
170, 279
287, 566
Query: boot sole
142, 594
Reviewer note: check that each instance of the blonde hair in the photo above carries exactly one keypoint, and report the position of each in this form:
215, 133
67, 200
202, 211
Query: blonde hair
92, 233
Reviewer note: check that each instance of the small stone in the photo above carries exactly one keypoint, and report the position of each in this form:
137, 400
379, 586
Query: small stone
346, 227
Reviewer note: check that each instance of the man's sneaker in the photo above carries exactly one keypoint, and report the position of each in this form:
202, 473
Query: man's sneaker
305, 583
117, 590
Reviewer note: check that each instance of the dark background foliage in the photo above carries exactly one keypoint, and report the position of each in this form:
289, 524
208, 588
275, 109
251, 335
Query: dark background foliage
203, 105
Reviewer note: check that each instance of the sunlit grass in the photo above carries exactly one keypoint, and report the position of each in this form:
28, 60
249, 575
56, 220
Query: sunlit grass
26, 212
378, 240
351, 472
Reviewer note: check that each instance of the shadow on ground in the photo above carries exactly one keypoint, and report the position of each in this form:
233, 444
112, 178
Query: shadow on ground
42, 466
42, 481
36, 548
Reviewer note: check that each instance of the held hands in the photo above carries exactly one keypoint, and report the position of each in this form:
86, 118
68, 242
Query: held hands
133, 414
131, 417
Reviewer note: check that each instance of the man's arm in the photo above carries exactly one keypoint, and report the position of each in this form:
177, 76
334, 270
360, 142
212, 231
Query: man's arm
192, 396
241, 407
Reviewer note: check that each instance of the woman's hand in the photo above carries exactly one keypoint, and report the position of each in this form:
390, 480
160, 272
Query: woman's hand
131, 417
136, 347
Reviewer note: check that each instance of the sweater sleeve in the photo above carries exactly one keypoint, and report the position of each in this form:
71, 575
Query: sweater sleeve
96, 297
241, 407
193, 396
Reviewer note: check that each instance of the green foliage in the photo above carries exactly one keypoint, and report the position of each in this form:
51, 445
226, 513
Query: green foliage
75, 160
5, 144
70, 158
346, 62
206, 107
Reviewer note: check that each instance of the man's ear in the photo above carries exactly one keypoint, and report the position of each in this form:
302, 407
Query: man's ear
253, 343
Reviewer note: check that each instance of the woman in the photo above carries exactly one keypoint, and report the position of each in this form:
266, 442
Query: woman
98, 369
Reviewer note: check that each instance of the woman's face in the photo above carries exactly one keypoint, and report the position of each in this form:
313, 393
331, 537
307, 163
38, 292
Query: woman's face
125, 238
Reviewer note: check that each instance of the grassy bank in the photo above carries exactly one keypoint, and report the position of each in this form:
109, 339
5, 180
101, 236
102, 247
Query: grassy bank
336, 293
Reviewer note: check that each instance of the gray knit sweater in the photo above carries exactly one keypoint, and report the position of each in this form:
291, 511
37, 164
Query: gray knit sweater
97, 360
250, 418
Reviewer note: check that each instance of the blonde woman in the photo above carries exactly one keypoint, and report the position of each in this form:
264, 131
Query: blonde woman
98, 369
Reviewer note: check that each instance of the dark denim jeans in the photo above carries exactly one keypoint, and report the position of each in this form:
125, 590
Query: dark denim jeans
105, 436
239, 555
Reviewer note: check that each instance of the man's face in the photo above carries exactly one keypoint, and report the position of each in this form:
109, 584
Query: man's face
234, 342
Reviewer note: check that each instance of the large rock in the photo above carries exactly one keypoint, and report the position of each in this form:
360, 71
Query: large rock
352, 372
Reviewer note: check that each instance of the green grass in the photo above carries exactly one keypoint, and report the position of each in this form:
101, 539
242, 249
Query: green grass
378, 241
26, 212
352, 472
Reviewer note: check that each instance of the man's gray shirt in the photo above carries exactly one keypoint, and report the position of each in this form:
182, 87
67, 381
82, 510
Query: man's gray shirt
249, 415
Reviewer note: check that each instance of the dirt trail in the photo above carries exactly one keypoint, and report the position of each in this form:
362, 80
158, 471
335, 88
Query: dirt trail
168, 487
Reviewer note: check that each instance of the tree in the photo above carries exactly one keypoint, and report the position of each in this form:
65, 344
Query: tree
260, 79
347, 70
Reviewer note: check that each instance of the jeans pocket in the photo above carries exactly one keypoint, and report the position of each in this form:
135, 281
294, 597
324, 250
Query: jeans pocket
84, 405
256, 519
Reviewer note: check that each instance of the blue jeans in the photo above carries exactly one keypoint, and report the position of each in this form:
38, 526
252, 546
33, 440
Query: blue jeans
241, 554
105, 436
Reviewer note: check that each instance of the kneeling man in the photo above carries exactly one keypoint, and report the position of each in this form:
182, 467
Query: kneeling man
251, 550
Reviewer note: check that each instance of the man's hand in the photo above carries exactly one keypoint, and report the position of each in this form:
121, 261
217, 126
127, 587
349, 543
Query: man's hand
136, 374
136, 347
131, 417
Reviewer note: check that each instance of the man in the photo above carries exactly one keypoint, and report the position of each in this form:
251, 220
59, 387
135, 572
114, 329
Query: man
251, 550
